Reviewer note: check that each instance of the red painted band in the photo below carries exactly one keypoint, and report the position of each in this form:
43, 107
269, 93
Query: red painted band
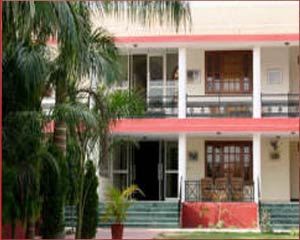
198, 125
208, 38
203, 38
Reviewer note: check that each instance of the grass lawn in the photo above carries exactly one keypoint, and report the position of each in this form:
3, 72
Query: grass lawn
223, 235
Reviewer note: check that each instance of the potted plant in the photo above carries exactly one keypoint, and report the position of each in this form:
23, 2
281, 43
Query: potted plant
117, 206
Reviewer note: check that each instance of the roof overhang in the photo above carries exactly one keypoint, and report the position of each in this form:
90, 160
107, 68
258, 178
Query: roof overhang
194, 126
207, 41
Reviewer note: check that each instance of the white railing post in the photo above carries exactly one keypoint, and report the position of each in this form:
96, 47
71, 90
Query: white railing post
257, 166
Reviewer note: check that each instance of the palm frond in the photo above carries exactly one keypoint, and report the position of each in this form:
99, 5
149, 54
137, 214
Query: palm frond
172, 13
76, 114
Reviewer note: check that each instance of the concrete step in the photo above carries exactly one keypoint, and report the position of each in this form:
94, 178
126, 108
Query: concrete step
145, 225
140, 214
283, 216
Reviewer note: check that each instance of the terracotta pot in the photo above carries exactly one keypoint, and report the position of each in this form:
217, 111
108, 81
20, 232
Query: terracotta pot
117, 231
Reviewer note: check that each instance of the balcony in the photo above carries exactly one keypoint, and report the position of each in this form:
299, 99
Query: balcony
162, 106
219, 105
230, 106
280, 105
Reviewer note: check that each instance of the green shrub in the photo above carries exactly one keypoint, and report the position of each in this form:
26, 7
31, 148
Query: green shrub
294, 232
265, 225
90, 212
53, 189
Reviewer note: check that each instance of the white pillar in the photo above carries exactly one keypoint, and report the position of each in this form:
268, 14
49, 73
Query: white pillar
181, 165
182, 83
256, 82
257, 166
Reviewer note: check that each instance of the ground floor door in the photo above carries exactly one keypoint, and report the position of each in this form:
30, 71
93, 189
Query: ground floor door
146, 162
152, 165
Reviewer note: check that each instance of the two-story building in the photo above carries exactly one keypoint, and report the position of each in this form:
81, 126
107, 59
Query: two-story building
222, 118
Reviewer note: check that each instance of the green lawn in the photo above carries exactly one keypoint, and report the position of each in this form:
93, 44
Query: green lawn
223, 235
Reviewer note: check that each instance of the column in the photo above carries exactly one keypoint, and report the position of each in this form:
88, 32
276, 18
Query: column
257, 166
182, 83
181, 165
256, 82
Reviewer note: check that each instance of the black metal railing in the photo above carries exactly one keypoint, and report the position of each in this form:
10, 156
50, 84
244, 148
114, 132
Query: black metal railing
219, 105
194, 193
280, 105
224, 105
162, 106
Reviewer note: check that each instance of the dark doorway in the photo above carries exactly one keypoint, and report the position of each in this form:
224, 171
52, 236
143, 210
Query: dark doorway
146, 161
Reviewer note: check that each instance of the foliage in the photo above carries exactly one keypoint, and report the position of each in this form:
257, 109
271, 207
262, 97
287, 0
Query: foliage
172, 13
23, 156
53, 190
29, 67
90, 212
265, 224
294, 232
118, 203
124, 103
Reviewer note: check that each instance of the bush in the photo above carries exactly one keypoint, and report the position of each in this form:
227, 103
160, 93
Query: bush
266, 222
53, 192
294, 232
90, 212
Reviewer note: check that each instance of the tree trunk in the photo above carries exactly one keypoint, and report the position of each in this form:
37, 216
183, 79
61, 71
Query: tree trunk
60, 132
80, 202
30, 229
60, 129
104, 159
13, 229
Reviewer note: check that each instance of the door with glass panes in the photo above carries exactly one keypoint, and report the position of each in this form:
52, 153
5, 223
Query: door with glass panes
171, 170
121, 167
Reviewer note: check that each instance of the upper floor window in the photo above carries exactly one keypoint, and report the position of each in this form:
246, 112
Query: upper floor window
228, 72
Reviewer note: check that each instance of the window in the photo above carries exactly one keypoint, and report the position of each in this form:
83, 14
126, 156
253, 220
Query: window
229, 159
228, 71
274, 76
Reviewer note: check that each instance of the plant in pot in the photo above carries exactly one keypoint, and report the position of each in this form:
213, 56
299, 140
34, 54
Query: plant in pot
116, 208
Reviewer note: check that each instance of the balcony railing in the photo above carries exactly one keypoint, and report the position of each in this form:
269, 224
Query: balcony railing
194, 192
162, 106
280, 105
219, 105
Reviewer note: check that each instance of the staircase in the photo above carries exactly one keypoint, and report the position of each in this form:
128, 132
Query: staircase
146, 214
284, 216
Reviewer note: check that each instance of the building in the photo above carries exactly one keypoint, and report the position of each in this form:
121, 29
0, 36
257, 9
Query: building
222, 108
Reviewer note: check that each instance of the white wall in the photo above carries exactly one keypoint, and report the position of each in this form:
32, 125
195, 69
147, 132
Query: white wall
294, 170
217, 18
196, 61
275, 58
275, 173
195, 169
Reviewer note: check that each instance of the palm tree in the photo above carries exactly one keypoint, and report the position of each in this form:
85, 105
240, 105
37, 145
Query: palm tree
80, 53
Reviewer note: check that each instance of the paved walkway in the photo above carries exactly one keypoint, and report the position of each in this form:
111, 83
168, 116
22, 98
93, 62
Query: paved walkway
129, 233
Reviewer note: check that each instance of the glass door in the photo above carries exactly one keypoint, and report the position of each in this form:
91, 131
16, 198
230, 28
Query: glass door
121, 165
171, 170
